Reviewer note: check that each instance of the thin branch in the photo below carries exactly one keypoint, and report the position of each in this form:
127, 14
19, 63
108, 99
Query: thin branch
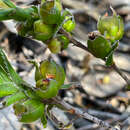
82, 114
111, 121
114, 66
74, 41
80, 45
88, 127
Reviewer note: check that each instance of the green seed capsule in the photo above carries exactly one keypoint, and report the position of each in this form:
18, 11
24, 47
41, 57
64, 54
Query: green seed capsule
112, 27
54, 45
50, 92
42, 31
50, 12
99, 47
19, 109
64, 41
49, 69
69, 25
42, 84
29, 111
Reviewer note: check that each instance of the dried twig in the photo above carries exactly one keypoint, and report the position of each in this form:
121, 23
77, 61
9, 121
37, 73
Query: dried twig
82, 114
73, 40
111, 121
114, 66
89, 127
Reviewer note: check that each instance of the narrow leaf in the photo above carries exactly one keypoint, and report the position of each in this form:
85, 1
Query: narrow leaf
3, 5
4, 76
7, 88
35, 110
14, 98
8, 68
9, 3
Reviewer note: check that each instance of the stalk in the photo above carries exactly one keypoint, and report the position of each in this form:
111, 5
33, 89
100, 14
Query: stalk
17, 14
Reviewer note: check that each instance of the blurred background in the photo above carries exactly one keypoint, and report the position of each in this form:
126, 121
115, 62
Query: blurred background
101, 93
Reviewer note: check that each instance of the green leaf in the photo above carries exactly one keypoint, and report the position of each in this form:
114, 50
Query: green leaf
4, 76
18, 14
9, 3
14, 98
35, 109
44, 121
8, 74
3, 5
9, 69
4, 14
10, 82
31, 94
7, 88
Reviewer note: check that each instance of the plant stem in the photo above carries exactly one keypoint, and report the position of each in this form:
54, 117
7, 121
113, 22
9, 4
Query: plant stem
80, 45
74, 41
114, 66
82, 114
17, 14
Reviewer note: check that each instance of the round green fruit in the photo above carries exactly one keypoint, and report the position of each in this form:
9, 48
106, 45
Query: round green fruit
54, 45
112, 27
69, 25
64, 41
42, 31
50, 12
99, 47
51, 68
19, 109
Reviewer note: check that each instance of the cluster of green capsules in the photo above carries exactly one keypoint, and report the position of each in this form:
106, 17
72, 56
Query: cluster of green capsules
28, 101
52, 18
41, 22
103, 43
